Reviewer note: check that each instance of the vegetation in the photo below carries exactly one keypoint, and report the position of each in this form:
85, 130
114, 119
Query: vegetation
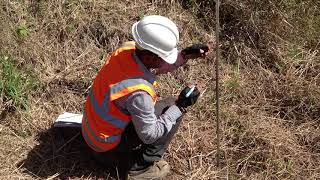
270, 81
14, 86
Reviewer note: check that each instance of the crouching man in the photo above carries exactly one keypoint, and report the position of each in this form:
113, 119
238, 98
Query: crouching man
123, 123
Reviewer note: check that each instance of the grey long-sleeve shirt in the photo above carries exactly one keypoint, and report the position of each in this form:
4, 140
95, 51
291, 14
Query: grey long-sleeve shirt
148, 126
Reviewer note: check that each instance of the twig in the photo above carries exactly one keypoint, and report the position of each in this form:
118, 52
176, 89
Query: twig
75, 136
53, 176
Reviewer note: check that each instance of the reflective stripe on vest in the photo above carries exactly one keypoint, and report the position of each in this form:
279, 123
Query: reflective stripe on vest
129, 44
101, 111
107, 139
88, 140
130, 85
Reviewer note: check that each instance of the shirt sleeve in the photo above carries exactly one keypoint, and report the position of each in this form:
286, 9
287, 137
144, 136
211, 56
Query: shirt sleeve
148, 126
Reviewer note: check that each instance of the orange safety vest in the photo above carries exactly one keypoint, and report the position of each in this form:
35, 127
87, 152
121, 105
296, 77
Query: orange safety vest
103, 123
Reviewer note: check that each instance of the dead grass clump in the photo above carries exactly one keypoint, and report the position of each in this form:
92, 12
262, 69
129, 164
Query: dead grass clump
270, 88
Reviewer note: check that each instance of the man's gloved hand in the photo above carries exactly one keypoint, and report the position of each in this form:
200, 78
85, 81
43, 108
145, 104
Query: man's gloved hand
195, 51
188, 97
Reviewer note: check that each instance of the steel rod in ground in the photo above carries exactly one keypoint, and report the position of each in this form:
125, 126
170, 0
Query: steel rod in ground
217, 82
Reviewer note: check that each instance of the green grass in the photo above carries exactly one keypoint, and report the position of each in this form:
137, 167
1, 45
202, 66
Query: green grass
295, 53
14, 86
22, 31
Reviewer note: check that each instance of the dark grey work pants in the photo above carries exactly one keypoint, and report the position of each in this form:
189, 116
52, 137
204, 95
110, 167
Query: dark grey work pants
132, 153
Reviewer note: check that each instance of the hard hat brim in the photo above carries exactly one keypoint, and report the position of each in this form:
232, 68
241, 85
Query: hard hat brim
135, 33
170, 59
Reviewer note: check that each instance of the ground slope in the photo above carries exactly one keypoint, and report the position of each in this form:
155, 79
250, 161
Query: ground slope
270, 99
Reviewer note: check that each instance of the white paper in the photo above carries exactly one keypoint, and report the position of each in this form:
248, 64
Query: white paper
68, 120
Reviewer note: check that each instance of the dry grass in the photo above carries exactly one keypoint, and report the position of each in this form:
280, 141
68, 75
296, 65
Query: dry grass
269, 79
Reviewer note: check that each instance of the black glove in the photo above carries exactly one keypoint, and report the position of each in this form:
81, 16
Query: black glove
186, 98
195, 49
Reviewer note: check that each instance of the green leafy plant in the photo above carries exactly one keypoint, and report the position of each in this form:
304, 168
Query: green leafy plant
22, 31
14, 86
71, 28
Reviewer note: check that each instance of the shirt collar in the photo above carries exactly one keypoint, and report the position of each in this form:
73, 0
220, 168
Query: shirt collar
147, 74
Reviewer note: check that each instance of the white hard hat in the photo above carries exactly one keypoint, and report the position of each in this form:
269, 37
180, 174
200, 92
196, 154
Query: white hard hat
159, 35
